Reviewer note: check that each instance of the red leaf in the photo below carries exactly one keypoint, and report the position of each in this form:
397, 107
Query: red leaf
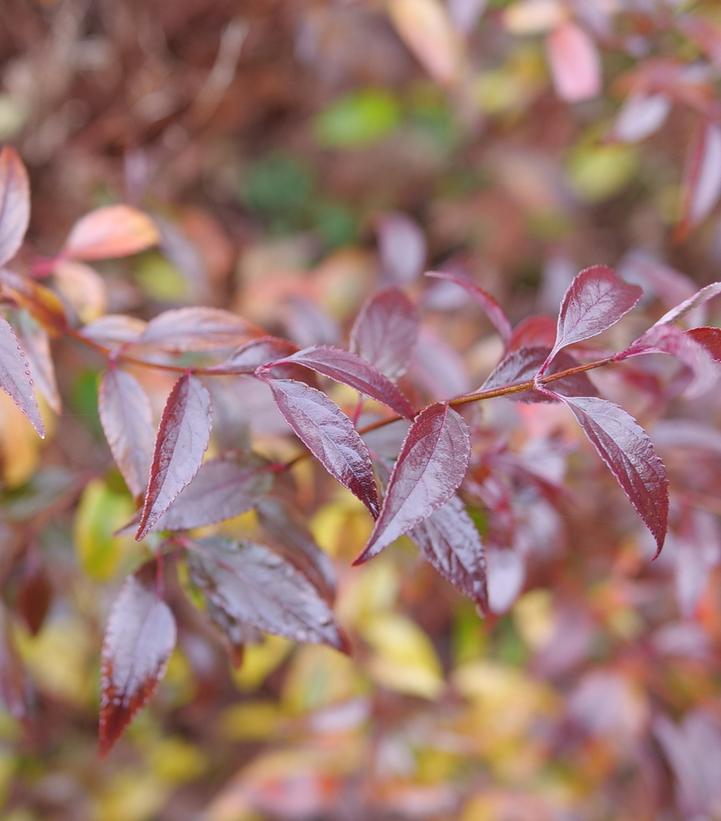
349, 369
450, 542
182, 438
34, 592
250, 356
575, 63
15, 377
385, 332
534, 331
702, 180
430, 467
522, 365
220, 490
402, 247
14, 203
630, 456
329, 435
710, 338
251, 586
596, 300
493, 310
110, 232
197, 329
139, 639
127, 421
36, 344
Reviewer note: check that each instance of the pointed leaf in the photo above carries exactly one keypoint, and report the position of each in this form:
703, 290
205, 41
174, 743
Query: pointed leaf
350, 369
182, 439
596, 300
710, 338
522, 365
139, 639
575, 63
629, 454
430, 467
14, 203
702, 181
449, 540
220, 490
197, 329
493, 310
110, 232
36, 344
251, 586
15, 377
699, 298
329, 435
127, 420
385, 332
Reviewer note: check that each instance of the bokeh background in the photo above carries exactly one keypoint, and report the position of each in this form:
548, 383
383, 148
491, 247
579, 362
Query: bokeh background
298, 154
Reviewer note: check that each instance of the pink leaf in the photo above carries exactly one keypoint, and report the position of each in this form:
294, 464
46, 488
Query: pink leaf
493, 310
350, 369
250, 586
110, 232
127, 421
15, 377
629, 454
14, 203
594, 301
430, 467
702, 181
329, 435
139, 639
220, 490
575, 64
386, 331
182, 438
402, 247
522, 365
197, 329
450, 542
641, 116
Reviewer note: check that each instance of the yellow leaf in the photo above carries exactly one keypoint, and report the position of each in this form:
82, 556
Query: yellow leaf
260, 660
250, 721
19, 444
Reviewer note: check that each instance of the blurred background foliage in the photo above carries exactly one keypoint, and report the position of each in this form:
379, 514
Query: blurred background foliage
297, 155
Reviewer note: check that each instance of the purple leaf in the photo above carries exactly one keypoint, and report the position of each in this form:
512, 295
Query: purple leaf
439, 368
251, 586
450, 542
115, 328
522, 365
630, 456
127, 421
14, 203
15, 377
506, 574
197, 329
220, 490
182, 438
702, 181
641, 115
139, 639
14, 690
36, 344
329, 435
385, 332
250, 356
430, 467
402, 247
532, 332
493, 310
349, 369
594, 301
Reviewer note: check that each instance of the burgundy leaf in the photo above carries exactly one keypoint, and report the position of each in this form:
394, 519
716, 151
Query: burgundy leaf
402, 247
329, 435
349, 369
702, 181
575, 63
699, 298
493, 310
710, 338
430, 467
594, 301
220, 490
35, 592
182, 438
385, 332
197, 329
522, 365
15, 378
532, 332
252, 587
641, 115
36, 344
630, 456
250, 356
139, 638
127, 421
14, 203
450, 542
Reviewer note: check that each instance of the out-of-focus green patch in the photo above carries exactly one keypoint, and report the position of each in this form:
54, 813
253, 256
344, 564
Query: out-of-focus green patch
318, 677
468, 635
597, 172
430, 114
335, 223
358, 119
509, 646
84, 400
159, 279
280, 188
100, 513
175, 761
12, 116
